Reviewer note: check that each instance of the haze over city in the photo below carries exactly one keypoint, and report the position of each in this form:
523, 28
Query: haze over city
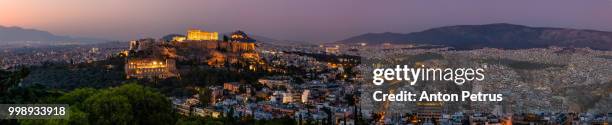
312, 20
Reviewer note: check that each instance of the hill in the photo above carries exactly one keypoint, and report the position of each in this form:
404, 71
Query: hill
500, 35
18, 34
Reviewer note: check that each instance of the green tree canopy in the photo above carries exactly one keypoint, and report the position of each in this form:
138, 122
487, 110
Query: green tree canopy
126, 104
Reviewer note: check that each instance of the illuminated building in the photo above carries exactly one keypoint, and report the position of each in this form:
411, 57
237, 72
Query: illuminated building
250, 55
332, 49
124, 53
429, 111
148, 58
287, 97
199, 35
274, 83
240, 42
216, 94
200, 45
141, 44
179, 38
133, 45
305, 96
150, 68
207, 112
217, 59
231, 86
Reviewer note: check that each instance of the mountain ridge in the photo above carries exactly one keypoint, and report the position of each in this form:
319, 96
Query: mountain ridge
497, 35
16, 34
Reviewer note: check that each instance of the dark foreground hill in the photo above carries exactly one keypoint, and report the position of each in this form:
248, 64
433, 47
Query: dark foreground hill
501, 35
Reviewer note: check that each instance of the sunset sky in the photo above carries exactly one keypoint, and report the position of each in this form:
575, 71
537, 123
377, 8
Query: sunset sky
303, 20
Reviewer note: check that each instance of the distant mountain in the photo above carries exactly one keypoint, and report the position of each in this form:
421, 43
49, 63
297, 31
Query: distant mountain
500, 35
18, 34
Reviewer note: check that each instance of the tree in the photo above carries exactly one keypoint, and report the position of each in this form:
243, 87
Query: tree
77, 96
12, 79
149, 107
225, 38
126, 104
108, 108
76, 117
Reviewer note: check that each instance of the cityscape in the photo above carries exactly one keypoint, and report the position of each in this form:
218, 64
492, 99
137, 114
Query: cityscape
198, 75
324, 85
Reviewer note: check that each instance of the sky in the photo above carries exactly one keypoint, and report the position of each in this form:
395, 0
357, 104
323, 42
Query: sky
299, 20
